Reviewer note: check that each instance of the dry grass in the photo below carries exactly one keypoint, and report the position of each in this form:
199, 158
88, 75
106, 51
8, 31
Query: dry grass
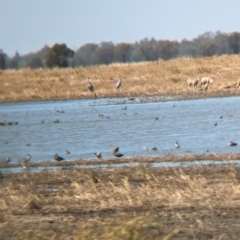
130, 203
138, 79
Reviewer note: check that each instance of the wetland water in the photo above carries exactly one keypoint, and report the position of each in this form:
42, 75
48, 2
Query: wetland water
87, 126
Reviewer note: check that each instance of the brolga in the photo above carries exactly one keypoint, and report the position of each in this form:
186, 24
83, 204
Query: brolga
232, 144
98, 155
118, 84
90, 86
58, 158
26, 159
177, 144
152, 149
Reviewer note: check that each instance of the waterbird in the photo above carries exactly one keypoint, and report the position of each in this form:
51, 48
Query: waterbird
152, 149
42, 121
26, 159
231, 143
90, 86
58, 158
117, 154
7, 160
177, 144
25, 165
118, 84
215, 124
115, 149
67, 152
56, 121
98, 155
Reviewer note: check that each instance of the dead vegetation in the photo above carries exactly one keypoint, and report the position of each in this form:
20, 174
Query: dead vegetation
128, 203
138, 79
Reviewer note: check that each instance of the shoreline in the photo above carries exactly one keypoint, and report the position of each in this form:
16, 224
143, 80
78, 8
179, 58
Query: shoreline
212, 157
143, 99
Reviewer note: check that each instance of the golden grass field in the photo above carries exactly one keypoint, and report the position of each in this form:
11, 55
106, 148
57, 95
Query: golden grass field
130, 203
159, 78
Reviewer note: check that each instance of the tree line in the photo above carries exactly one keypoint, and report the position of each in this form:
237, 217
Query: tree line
59, 55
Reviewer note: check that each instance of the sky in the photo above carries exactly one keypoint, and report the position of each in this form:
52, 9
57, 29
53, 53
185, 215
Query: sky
27, 25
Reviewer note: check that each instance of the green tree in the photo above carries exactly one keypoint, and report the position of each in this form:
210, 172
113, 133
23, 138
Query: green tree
104, 53
58, 56
14, 61
207, 48
167, 49
86, 55
147, 48
36, 62
234, 42
121, 52
3, 58
186, 48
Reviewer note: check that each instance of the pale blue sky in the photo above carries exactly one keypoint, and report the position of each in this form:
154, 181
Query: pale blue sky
27, 25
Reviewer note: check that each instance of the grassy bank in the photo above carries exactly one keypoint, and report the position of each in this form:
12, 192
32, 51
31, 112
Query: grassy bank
129, 203
138, 79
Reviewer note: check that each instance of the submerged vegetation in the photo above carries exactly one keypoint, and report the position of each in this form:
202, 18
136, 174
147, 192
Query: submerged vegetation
138, 79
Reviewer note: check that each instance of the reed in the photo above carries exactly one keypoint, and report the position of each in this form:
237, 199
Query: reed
138, 79
130, 203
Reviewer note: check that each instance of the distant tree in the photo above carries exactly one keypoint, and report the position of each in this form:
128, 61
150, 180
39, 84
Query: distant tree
136, 55
221, 40
234, 42
121, 52
3, 58
36, 62
167, 49
207, 48
86, 55
148, 49
14, 61
58, 55
186, 48
104, 53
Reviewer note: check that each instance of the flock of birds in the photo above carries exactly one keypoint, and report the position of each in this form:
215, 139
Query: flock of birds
98, 155
58, 158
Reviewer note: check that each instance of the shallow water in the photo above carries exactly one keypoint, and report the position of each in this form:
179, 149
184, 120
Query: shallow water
82, 131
